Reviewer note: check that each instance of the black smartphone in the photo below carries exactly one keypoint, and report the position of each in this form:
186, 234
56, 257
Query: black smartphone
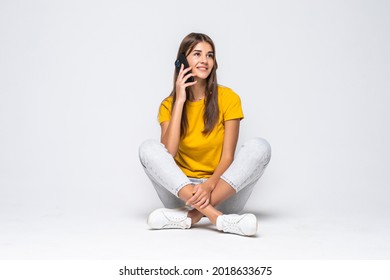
183, 60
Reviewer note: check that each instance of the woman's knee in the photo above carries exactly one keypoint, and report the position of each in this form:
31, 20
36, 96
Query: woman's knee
260, 149
148, 149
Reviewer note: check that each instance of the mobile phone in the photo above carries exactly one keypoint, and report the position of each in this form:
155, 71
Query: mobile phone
183, 60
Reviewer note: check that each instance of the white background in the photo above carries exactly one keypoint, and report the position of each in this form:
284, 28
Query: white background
80, 85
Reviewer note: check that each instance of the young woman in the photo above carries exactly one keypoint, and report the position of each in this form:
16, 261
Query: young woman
193, 168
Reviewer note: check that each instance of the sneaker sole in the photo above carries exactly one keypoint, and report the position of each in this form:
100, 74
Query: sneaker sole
153, 222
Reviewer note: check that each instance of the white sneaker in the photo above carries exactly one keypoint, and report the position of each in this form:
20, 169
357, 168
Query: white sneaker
245, 224
169, 218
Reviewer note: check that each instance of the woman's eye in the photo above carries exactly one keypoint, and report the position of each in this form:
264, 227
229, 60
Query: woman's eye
196, 54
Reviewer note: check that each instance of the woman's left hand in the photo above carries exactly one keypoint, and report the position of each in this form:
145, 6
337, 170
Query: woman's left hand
201, 195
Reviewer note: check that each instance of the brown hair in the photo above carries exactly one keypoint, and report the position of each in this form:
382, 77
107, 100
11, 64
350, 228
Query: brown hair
211, 112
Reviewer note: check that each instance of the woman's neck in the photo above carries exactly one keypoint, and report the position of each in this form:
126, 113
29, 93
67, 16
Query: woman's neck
198, 90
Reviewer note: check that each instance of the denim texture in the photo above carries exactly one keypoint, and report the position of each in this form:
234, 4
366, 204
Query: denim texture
242, 175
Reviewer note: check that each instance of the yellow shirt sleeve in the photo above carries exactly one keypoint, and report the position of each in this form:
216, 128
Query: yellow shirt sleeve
230, 105
164, 112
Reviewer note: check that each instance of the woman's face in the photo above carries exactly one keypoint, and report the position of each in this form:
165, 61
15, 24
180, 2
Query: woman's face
201, 59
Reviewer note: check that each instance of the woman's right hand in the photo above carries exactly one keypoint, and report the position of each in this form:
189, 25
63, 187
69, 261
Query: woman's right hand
181, 84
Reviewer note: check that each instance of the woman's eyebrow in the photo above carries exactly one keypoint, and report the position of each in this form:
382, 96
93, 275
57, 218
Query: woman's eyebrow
201, 51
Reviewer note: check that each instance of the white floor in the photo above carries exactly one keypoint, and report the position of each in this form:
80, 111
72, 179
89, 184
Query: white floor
120, 235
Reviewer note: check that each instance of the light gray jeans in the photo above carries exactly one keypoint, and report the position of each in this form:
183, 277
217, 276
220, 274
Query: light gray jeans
242, 175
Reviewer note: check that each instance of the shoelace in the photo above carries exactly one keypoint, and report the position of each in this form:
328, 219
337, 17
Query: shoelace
233, 229
175, 222
232, 226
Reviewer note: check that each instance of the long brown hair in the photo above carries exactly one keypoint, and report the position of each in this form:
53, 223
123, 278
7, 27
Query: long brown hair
211, 112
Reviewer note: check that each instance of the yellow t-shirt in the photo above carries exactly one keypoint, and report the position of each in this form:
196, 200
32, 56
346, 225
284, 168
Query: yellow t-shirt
199, 155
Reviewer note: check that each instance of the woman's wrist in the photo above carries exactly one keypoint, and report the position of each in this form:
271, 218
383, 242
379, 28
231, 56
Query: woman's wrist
211, 183
180, 101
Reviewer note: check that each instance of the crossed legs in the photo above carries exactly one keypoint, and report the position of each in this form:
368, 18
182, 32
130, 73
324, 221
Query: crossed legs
233, 189
221, 192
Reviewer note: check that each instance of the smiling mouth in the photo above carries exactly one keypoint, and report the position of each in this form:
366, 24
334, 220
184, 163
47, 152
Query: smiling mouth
202, 68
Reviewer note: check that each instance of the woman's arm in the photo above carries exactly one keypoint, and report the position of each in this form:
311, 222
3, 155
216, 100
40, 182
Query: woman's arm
170, 130
202, 191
